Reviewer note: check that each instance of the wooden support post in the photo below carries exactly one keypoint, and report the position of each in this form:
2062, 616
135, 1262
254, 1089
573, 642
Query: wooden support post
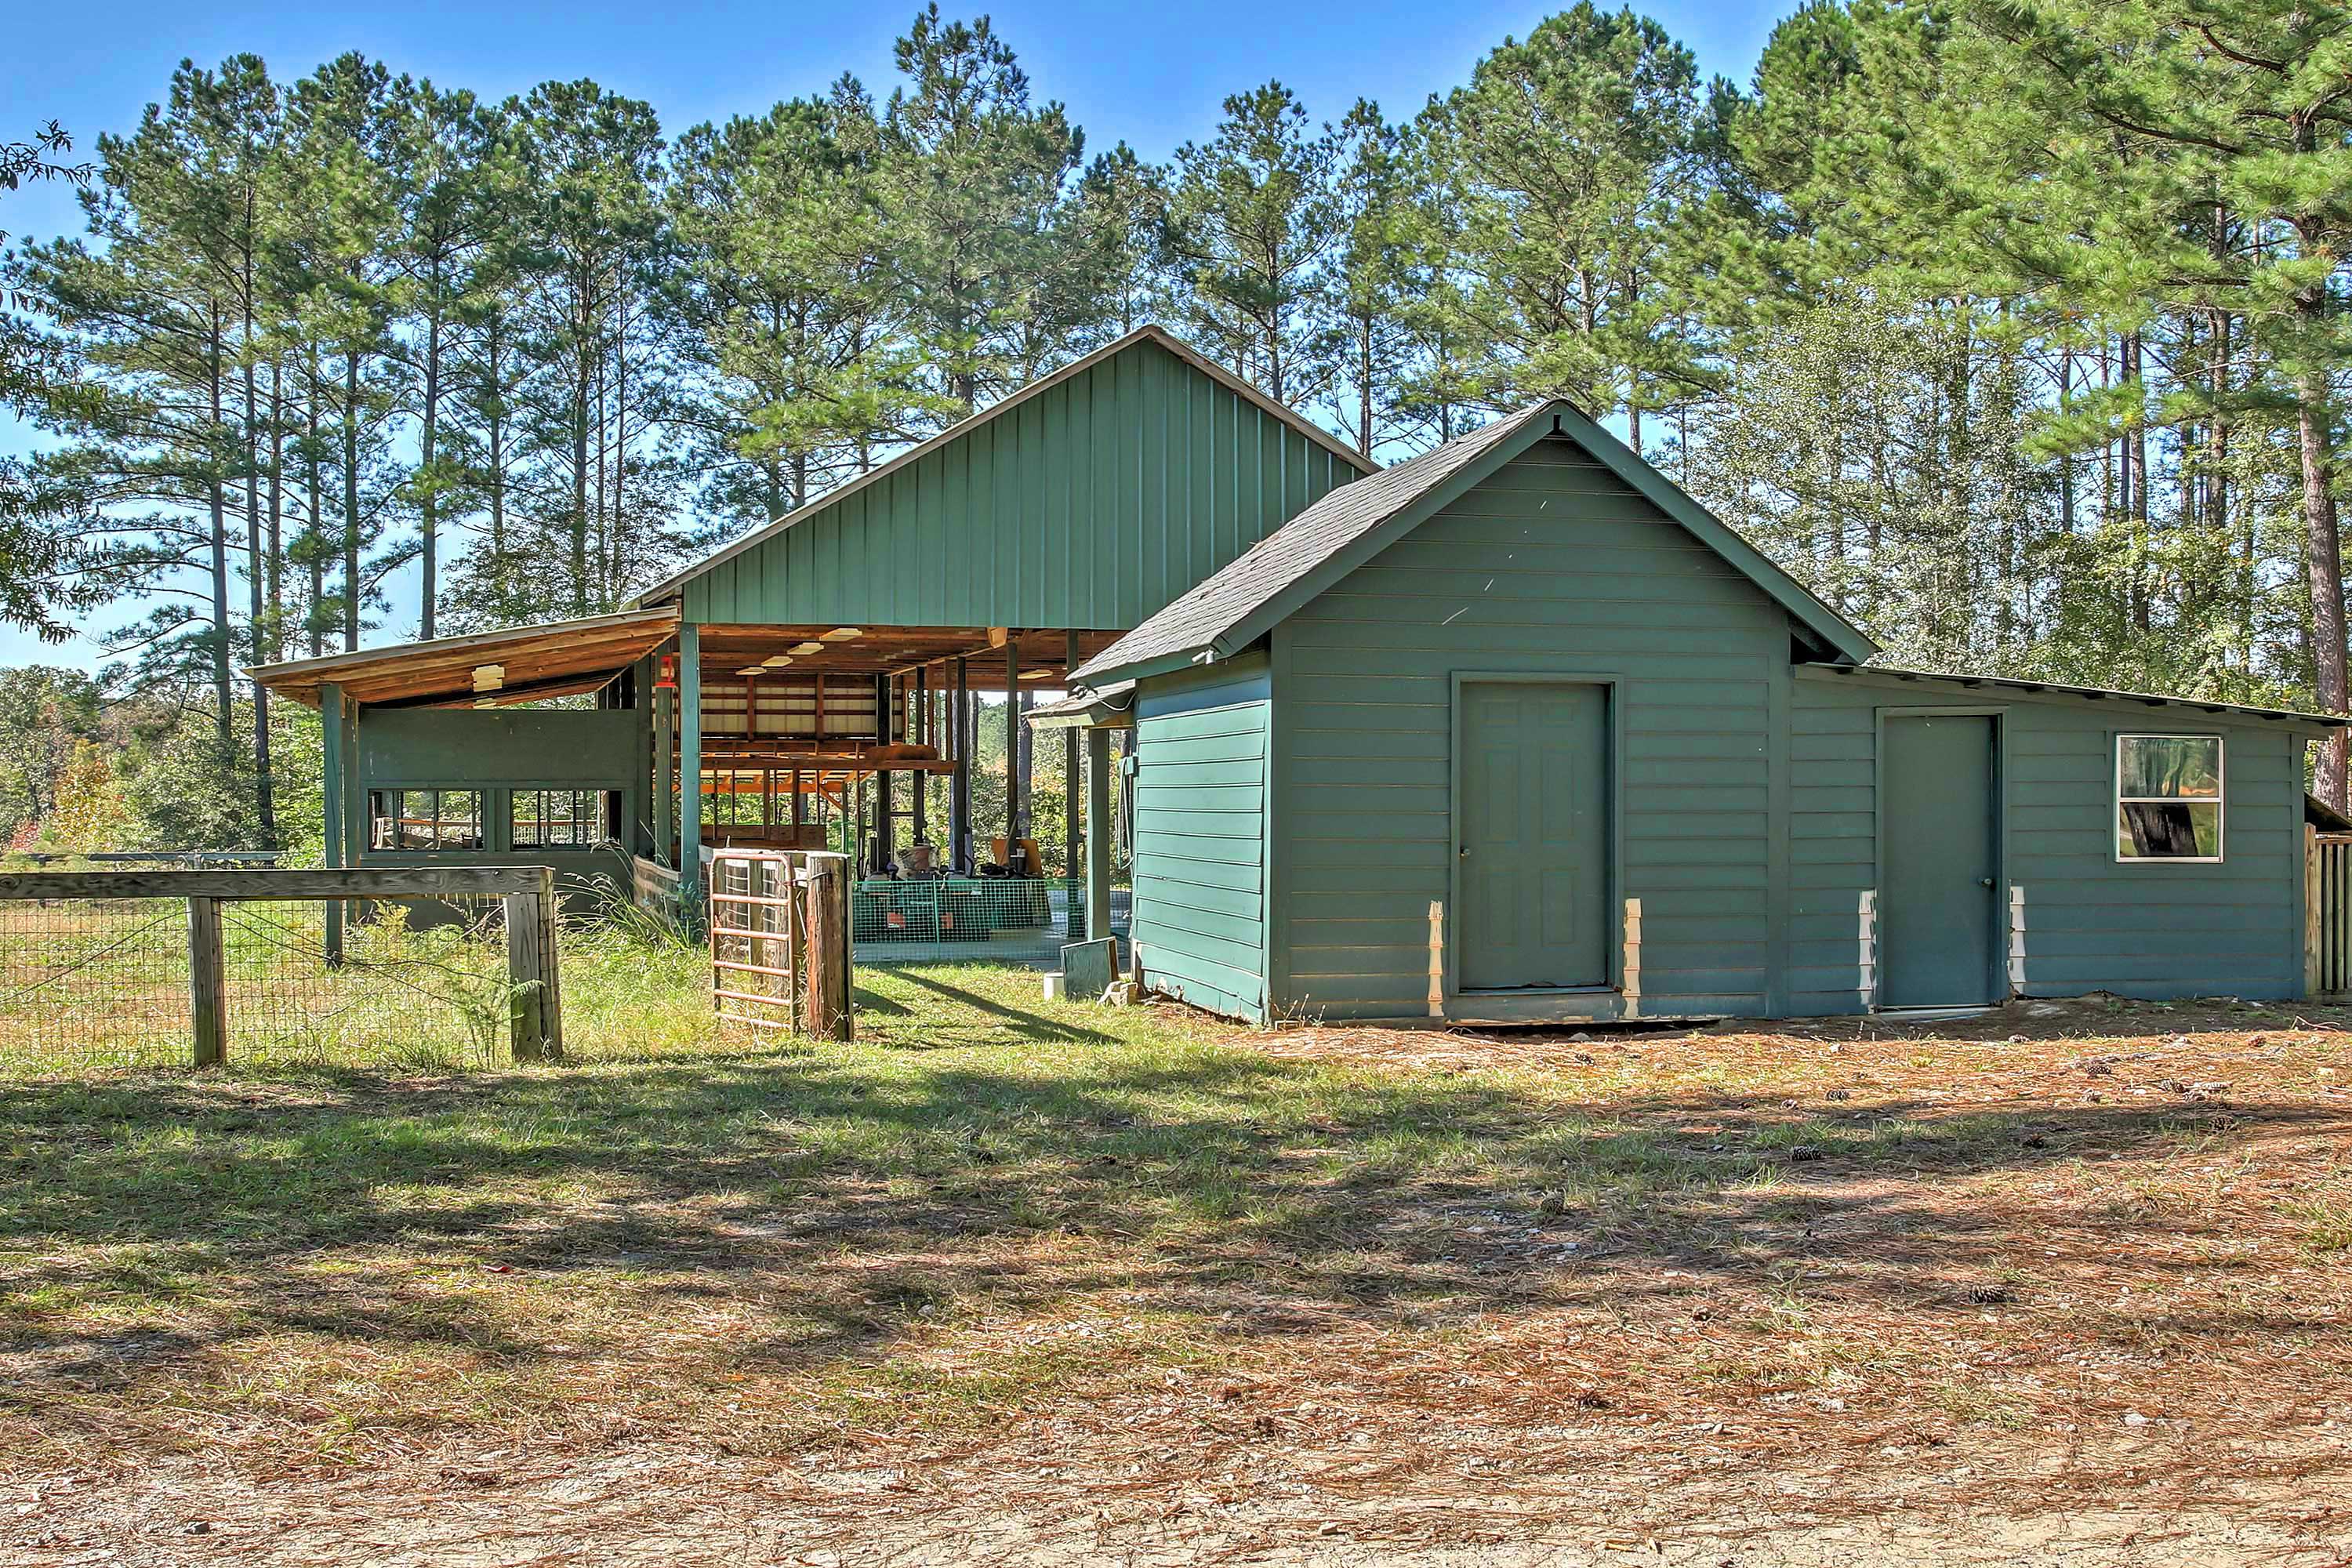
208, 984
1015, 778
534, 1030
330, 736
886, 835
689, 777
1099, 836
826, 993
2313, 902
1070, 789
921, 704
664, 777
959, 781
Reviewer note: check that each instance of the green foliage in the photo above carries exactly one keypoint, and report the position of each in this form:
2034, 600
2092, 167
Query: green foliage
2015, 327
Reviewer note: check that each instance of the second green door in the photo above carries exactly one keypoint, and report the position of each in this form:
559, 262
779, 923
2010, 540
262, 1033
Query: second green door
1940, 861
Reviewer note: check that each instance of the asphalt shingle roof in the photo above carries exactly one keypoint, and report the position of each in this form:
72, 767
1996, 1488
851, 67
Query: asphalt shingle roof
1290, 553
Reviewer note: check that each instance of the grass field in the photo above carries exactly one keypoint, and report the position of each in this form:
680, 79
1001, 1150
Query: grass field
1136, 1278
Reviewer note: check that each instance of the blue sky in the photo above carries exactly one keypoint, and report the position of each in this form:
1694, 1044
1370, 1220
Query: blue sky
1151, 76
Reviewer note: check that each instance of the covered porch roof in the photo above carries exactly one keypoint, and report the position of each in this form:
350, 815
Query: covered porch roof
520, 664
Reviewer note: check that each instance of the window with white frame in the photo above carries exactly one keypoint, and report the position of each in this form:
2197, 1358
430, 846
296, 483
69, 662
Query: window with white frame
2169, 797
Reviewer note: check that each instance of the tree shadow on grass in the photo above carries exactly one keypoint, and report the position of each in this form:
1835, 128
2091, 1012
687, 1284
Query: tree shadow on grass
848, 1193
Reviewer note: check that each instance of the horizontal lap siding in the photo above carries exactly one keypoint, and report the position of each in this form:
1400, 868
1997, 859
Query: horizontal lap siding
1552, 565
1090, 506
1199, 836
2091, 923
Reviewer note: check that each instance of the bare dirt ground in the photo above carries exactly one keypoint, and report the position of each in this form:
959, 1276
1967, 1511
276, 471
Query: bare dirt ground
2060, 1285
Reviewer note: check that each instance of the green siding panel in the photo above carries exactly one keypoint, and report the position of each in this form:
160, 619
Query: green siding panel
1089, 506
1199, 920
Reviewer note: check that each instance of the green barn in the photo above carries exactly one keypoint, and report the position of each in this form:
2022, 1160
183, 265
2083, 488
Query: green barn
1513, 731
1516, 732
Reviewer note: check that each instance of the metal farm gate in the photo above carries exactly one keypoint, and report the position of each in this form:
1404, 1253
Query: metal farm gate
779, 922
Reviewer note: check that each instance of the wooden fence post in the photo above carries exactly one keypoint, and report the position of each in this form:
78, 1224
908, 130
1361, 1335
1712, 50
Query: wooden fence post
827, 987
536, 1013
2313, 902
207, 984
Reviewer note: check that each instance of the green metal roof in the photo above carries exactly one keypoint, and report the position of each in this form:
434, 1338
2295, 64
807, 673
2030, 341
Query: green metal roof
1321, 545
1086, 501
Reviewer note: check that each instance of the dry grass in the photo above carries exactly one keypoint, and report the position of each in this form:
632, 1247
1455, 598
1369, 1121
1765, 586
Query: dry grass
1121, 1268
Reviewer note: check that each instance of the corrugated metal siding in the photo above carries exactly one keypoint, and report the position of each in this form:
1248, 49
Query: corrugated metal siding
1202, 746
1553, 564
1089, 506
2146, 930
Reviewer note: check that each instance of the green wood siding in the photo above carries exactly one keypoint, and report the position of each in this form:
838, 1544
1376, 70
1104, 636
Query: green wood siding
1554, 564
1200, 835
2138, 930
1088, 506
499, 750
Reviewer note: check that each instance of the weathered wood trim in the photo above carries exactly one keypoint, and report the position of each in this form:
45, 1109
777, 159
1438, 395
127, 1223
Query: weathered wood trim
2311, 909
331, 883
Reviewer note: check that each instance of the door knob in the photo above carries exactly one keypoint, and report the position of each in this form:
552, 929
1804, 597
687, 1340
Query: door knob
1984, 881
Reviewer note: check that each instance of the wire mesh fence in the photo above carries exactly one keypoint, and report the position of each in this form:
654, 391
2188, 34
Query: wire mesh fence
93, 983
919, 920
419, 983
104, 983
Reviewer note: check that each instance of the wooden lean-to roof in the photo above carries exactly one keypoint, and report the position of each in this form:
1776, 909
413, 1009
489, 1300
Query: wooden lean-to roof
522, 664
1347, 527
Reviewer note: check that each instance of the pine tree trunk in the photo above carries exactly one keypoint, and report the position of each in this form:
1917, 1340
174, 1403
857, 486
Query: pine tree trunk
2327, 584
264, 802
224, 723
316, 615
582, 376
351, 501
428, 503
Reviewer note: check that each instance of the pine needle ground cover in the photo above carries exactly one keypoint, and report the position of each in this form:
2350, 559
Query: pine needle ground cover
1021, 1280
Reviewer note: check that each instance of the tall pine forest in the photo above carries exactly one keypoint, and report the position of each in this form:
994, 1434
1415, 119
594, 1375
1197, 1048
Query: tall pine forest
2016, 329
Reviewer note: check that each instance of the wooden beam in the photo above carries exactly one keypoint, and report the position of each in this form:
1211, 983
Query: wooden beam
305, 883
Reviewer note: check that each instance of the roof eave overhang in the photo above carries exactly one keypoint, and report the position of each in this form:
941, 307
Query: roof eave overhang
2311, 725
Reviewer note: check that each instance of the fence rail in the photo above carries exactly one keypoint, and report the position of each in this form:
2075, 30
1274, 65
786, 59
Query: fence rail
132, 956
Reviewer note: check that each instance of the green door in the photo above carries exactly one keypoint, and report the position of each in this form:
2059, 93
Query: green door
1939, 831
1534, 826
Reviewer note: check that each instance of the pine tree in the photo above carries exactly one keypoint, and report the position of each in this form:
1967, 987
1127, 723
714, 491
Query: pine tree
441, 144
971, 177
788, 359
1251, 226
1570, 157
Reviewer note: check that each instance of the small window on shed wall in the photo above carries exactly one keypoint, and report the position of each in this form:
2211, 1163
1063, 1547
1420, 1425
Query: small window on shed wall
2168, 791
562, 819
424, 819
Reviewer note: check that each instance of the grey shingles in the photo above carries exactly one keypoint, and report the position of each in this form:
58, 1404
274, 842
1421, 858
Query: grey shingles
1293, 551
